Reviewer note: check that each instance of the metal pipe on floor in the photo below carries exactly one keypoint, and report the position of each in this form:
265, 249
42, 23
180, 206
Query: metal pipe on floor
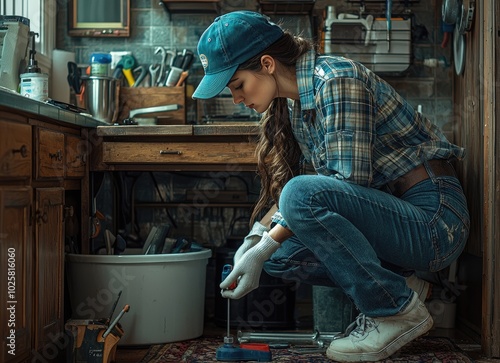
316, 338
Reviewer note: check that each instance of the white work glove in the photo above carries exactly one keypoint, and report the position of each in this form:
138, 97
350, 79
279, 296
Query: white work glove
252, 238
247, 271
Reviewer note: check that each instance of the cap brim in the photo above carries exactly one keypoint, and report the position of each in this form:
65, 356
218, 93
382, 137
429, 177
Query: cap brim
213, 84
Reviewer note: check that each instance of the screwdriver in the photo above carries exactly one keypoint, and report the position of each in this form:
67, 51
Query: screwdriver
126, 308
226, 270
255, 352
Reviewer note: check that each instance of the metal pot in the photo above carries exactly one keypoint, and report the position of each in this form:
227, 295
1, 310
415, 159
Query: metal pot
100, 95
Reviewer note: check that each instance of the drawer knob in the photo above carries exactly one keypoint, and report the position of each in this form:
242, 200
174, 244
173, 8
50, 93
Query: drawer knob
23, 150
58, 155
170, 152
79, 160
83, 158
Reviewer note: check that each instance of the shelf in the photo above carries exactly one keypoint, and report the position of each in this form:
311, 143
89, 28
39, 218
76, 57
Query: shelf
275, 7
191, 6
367, 2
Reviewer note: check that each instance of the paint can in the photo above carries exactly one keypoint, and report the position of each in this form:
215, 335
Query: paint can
35, 86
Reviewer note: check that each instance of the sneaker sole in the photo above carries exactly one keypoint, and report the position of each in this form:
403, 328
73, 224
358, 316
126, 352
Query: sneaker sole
388, 350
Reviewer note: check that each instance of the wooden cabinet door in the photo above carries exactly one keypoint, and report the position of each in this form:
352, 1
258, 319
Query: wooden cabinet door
49, 258
16, 275
49, 153
15, 150
76, 156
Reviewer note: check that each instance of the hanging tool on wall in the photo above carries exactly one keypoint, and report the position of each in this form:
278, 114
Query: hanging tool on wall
244, 352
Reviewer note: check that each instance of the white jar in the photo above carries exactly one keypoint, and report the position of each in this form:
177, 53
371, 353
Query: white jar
35, 86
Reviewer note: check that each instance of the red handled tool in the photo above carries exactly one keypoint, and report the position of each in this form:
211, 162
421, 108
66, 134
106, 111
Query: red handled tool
226, 270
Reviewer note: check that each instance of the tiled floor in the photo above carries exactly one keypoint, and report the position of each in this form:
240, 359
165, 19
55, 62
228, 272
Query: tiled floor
136, 354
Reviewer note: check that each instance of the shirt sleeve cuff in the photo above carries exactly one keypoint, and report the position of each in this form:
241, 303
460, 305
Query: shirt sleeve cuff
277, 218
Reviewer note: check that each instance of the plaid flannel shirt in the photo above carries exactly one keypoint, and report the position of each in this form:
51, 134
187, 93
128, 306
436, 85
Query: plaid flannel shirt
363, 131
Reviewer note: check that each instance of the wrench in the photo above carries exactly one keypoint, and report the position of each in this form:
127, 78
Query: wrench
153, 71
140, 79
163, 53
169, 63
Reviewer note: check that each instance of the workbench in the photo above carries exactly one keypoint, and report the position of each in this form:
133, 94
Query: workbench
225, 148
210, 147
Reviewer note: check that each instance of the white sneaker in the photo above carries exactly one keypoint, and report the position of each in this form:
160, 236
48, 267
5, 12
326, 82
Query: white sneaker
375, 339
421, 287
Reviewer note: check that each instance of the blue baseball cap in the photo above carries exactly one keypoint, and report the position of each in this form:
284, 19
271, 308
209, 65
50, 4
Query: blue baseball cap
231, 40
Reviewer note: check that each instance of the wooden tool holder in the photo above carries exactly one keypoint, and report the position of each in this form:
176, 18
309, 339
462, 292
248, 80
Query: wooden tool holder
88, 343
140, 97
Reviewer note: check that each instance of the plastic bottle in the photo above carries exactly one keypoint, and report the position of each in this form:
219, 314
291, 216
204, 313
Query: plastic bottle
34, 84
100, 64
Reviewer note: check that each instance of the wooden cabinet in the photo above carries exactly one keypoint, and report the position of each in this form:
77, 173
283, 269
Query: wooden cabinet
16, 293
40, 162
49, 266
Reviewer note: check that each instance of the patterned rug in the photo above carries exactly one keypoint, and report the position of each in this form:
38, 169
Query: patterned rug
202, 350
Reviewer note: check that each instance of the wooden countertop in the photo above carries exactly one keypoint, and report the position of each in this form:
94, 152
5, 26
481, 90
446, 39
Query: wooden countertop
12, 101
215, 129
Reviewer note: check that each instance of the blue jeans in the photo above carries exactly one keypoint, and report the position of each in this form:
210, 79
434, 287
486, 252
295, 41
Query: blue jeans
354, 237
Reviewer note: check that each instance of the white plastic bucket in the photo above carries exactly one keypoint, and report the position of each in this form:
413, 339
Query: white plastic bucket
166, 293
35, 86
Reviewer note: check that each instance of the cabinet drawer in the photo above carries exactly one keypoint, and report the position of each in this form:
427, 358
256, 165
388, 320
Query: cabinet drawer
178, 153
50, 154
15, 150
76, 156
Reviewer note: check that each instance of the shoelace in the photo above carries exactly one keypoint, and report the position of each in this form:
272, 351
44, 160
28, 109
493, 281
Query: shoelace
359, 326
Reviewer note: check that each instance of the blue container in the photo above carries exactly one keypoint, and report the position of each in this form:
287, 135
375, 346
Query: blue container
100, 64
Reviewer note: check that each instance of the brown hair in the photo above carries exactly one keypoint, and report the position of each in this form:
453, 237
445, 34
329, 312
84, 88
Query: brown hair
278, 153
